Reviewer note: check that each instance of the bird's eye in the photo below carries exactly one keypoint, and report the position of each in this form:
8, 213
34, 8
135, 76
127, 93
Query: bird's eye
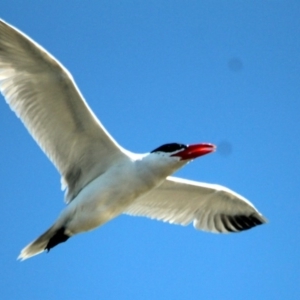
172, 147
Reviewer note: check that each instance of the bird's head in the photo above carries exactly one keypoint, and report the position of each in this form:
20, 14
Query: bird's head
181, 152
170, 157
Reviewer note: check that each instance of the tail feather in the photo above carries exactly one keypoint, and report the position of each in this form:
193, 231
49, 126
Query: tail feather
46, 241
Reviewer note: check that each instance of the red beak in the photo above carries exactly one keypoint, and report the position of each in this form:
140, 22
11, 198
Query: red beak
196, 150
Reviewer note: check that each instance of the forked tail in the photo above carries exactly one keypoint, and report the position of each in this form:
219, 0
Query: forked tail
46, 241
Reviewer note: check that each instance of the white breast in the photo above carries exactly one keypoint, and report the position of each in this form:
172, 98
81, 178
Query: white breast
109, 195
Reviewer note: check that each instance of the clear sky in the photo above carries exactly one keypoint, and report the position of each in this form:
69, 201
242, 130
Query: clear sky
225, 72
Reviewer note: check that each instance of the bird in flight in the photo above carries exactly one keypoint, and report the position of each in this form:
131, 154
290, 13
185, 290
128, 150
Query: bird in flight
101, 178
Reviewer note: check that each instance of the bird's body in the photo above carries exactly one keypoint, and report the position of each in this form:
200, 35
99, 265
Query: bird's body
108, 195
102, 179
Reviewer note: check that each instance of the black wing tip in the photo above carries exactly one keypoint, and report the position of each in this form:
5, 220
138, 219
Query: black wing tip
239, 223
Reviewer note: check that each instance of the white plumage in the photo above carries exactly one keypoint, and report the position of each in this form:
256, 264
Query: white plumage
210, 207
103, 179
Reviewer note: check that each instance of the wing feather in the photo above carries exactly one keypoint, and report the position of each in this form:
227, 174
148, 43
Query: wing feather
210, 207
45, 97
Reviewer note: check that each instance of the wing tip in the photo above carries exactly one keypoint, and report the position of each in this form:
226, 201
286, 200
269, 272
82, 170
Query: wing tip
242, 222
224, 223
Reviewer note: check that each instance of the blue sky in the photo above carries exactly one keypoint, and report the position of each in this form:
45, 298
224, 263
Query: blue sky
225, 72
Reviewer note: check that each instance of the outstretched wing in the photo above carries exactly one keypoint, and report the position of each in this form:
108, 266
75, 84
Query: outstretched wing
210, 207
44, 96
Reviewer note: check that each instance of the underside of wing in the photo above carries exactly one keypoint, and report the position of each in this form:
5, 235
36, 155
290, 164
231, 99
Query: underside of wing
210, 207
43, 94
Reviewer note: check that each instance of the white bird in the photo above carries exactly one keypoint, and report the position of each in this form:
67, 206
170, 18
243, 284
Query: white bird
103, 180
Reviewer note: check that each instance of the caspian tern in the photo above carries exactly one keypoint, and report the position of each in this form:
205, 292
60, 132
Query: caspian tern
102, 179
